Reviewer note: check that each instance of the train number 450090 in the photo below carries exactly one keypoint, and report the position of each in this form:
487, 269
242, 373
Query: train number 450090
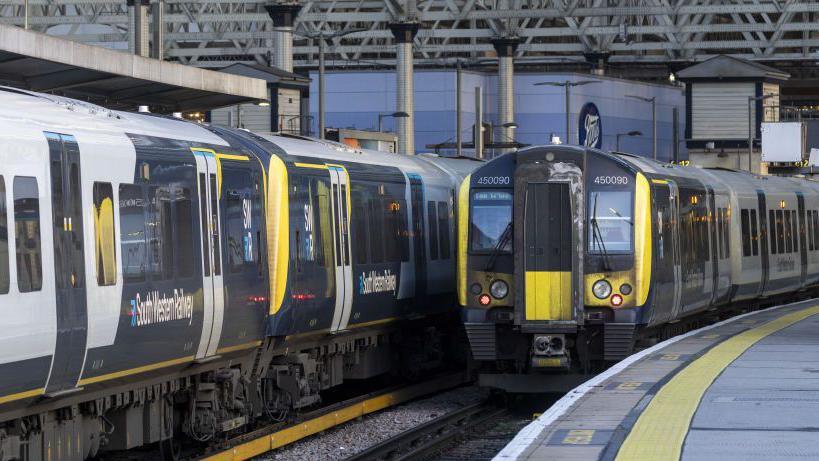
610, 180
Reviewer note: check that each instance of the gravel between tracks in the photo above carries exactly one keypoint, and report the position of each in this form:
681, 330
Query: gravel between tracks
352, 437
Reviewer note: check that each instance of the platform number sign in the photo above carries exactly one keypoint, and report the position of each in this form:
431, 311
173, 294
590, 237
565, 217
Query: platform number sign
590, 129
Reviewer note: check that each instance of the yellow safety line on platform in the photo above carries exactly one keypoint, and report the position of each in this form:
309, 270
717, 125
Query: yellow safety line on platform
313, 426
660, 430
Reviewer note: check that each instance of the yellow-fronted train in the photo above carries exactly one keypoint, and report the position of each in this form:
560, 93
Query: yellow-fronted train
569, 258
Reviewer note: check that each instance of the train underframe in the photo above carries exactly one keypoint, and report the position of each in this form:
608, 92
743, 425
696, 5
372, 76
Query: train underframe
212, 401
508, 356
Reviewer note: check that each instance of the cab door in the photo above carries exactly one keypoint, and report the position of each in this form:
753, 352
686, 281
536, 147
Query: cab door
548, 245
69, 269
340, 218
210, 226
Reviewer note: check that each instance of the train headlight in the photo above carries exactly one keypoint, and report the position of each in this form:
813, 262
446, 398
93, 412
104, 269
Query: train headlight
476, 289
499, 289
601, 289
616, 300
484, 299
625, 289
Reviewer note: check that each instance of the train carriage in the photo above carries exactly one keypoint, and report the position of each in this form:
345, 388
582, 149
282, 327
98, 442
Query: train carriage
569, 257
161, 278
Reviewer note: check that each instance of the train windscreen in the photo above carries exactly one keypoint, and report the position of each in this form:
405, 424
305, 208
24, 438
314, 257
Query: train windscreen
611, 221
491, 218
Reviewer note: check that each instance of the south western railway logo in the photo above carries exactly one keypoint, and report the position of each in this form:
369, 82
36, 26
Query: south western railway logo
376, 282
156, 308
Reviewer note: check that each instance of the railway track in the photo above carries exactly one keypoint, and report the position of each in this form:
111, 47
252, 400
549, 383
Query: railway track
430, 438
278, 435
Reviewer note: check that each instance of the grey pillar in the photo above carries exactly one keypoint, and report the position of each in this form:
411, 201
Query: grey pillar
158, 19
404, 34
283, 16
138, 27
505, 48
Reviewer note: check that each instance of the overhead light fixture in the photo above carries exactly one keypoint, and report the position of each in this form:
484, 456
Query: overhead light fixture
263, 103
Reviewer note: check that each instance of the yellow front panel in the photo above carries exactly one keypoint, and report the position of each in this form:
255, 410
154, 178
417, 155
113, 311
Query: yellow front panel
548, 295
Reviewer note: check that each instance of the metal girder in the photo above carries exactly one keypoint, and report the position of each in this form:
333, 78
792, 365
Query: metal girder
216, 33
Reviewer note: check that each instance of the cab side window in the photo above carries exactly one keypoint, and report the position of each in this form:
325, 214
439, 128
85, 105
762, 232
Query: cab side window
27, 234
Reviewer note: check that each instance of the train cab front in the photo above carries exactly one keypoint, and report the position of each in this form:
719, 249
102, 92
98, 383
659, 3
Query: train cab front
522, 243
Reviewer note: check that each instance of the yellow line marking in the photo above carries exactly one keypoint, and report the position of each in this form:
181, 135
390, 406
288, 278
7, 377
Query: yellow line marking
660, 430
314, 166
238, 347
321, 423
134, 371
22, 395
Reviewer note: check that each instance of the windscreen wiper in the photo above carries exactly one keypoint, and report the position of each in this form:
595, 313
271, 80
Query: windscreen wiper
490, 265
597, 235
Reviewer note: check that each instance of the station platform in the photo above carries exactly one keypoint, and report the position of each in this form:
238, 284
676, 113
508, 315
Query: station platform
743, 389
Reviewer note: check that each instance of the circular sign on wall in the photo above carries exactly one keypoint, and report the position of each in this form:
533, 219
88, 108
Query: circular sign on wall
590, 130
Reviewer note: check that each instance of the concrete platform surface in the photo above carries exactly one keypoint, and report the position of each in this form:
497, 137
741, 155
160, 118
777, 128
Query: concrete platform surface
743, 389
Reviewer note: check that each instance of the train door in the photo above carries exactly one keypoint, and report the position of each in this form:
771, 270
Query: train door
212, 282
548, 232
667, 271
340, 206
418, 235
69, 267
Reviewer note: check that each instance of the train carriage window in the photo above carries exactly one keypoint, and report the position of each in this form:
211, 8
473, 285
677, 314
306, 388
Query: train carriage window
105, 242
443, 230
160, 233
795, 231
788, 234
772, 231
746, 232
183, 227
754, 235
4, 241
376, 231
808, 236
239, 223
402, 226
27, 234
816, 229
203, 213
359, 218
780, 232
132, 233
345, 225
394, 230
432, 222
214, 210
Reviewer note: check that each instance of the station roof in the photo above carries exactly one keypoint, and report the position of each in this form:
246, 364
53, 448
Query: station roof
721, 67
115, 79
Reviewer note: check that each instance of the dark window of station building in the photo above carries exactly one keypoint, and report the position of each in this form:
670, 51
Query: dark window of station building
432, 222
443, 230
27, 234
4, 240
105, 241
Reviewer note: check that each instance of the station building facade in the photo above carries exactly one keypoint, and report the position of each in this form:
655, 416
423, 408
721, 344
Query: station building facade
354, 99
